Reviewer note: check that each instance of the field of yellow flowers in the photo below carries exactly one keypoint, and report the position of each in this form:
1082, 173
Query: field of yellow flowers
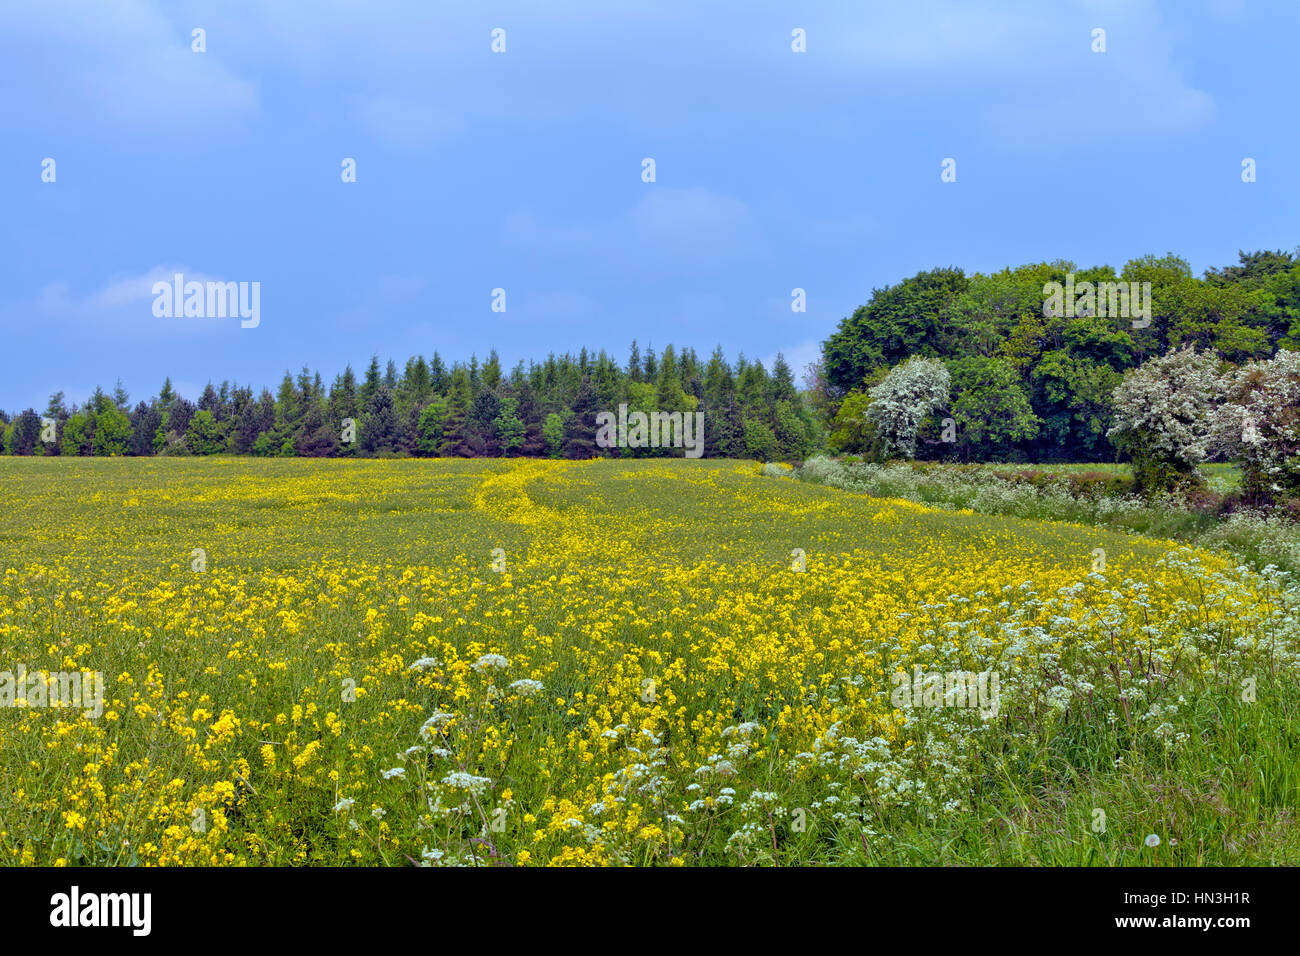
525, 662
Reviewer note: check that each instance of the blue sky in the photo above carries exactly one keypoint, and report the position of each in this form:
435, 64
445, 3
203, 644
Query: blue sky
522, 170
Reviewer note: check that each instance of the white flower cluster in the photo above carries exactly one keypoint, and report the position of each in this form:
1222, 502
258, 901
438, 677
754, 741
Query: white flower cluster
467, 781
490, 662
899, 404
1168, 405
436, 721
1178, 406
1263, 425
526, 688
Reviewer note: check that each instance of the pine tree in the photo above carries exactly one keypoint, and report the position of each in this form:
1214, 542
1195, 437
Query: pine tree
289, 411
453, 443
178, 420
668, 388
530, 413
208, 401
439, 380
343, 405
492, 371
247, 428
415, 384
782, 386
145, 422
56, 408
378, 426
366, 394
26, 433
580, 429
482, 429
317, 438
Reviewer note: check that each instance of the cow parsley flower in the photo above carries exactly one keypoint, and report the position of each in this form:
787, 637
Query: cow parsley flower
466, 781
526, 688
435, 722
487, 661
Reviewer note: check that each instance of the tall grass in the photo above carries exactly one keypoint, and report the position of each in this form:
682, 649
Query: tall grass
1208, 766
1257, 537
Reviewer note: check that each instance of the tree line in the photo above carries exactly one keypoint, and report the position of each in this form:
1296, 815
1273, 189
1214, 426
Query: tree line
430, 409
1003, 378
1024, 384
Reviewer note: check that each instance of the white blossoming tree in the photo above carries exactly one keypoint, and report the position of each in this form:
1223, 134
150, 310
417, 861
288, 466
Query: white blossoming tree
1167, 417
1261, 426
910, 392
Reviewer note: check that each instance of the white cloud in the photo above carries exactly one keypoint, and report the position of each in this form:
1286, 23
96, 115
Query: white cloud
121, 291
1034, 63
121, 63
121, 307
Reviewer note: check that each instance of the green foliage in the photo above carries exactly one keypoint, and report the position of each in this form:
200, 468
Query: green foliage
112, 432
203, 437
1064, 367
23, 437
553, 433
430, 427
851, 431
509, 428
796, 433
77, 433
378, 426
899, 322
760, 440
991, 408
580, 428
